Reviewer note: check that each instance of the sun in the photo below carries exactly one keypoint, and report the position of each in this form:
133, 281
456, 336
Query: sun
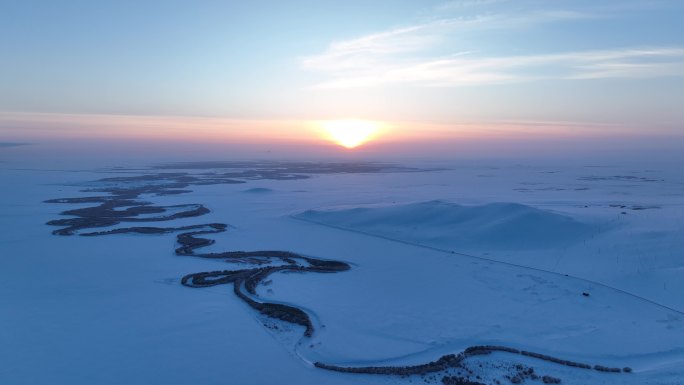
350, 133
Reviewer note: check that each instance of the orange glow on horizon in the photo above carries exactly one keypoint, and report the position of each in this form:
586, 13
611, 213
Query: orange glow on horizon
350, 134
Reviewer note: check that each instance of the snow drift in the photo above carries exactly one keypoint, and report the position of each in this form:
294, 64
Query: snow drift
443, 224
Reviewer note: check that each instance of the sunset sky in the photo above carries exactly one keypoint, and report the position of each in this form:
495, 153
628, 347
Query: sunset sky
274, 70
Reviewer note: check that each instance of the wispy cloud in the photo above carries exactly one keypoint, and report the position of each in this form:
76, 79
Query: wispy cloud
470, 70
12, 144
408, 55
395, 43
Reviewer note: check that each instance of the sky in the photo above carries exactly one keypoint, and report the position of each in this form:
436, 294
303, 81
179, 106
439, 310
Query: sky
263, 71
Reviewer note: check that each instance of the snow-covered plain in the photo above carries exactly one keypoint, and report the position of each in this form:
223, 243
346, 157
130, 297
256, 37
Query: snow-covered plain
441, 260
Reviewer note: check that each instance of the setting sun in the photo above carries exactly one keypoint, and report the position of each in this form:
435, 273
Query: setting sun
350, 133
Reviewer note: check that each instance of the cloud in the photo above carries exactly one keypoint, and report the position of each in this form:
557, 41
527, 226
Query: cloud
467, 69
368, 50
395, 43
415, 55
12, 144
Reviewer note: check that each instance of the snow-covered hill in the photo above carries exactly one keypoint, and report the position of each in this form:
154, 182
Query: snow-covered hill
491, 226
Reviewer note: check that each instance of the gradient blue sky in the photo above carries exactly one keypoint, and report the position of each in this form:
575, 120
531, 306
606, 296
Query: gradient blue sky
615, 63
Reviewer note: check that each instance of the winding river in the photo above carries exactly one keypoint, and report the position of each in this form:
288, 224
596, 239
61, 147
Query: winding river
118, 200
